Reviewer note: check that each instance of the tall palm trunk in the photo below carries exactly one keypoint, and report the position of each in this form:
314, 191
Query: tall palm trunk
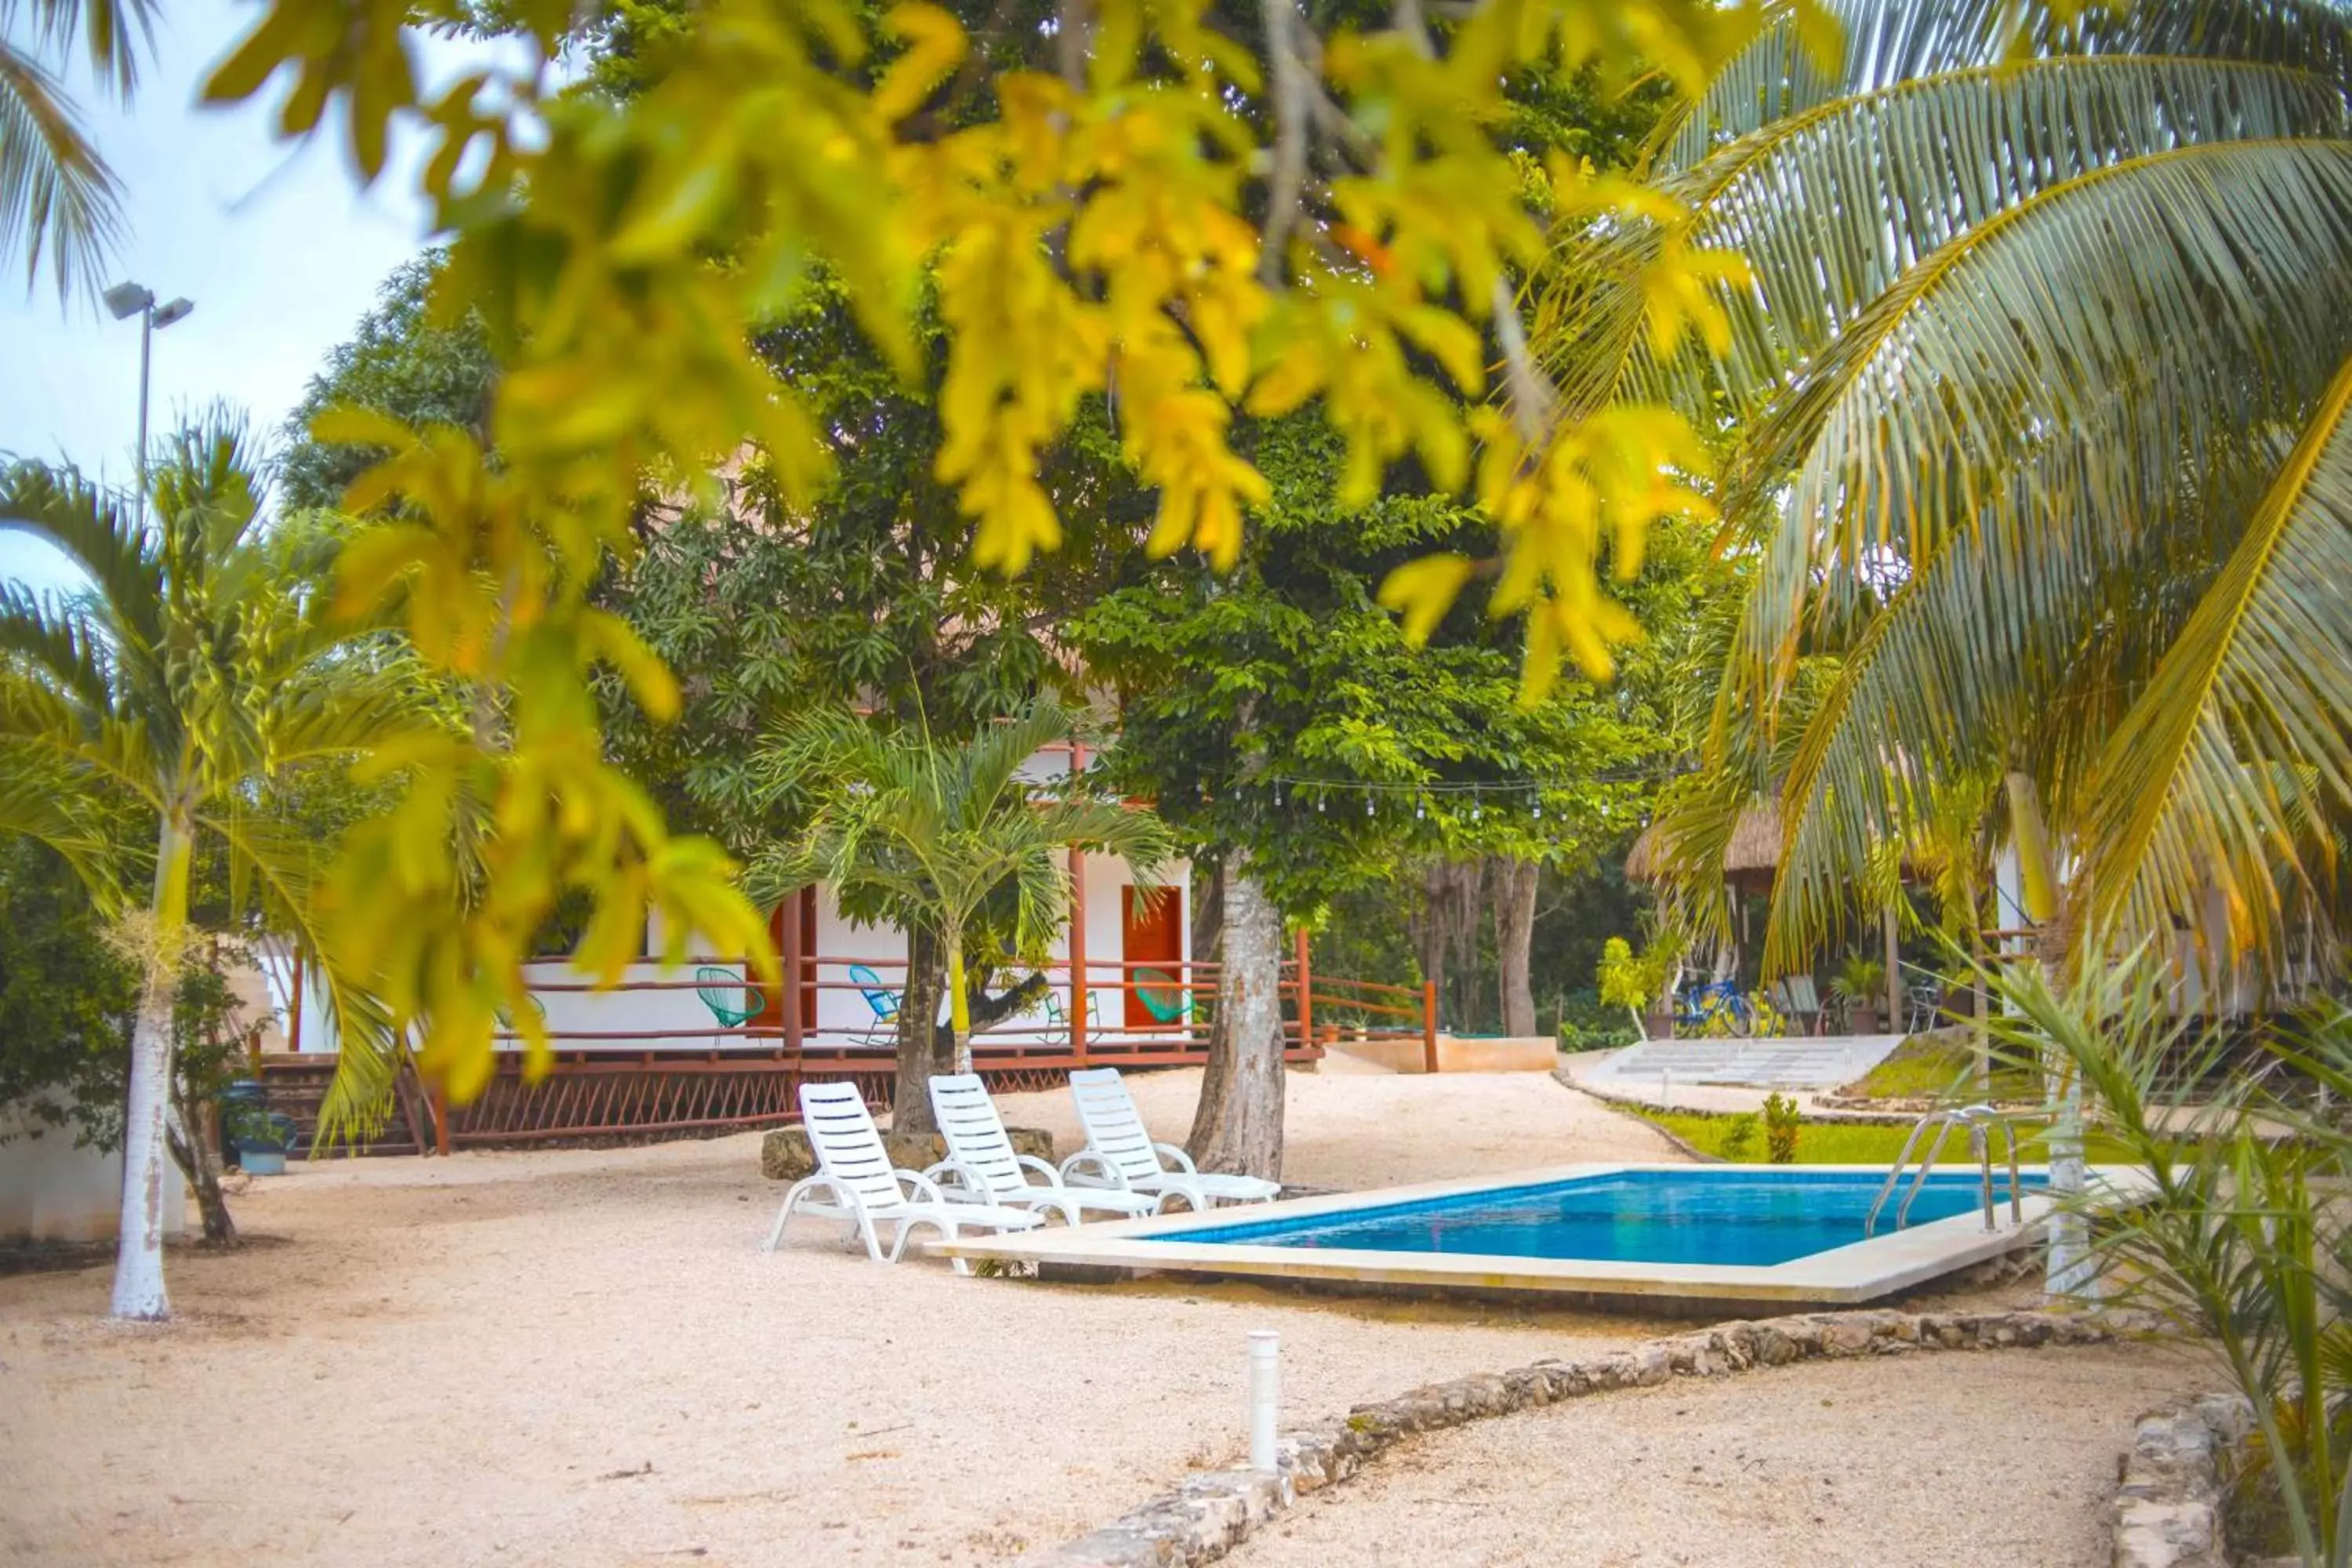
1238, 1124
959, 999
138, 1246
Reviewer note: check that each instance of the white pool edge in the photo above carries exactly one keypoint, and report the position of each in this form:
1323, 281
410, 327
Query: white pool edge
1863, 1271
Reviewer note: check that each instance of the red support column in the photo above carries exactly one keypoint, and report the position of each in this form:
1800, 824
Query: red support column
294, 1007
1429, 1026
789, 938
1077, 943
1306, 968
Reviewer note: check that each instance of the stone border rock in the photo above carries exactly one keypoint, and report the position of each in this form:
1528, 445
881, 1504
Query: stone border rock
2167, 1510
1208, 1514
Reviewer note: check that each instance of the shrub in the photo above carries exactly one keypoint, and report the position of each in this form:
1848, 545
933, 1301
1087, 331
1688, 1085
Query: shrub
1860, 978
1781, 1125
1738, 1136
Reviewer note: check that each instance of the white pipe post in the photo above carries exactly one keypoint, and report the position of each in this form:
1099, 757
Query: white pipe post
1264, 1381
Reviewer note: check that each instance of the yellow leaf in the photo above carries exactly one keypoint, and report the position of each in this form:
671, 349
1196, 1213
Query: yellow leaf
1422, 591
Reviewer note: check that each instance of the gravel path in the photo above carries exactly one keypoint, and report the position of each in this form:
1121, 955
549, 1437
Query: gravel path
1992, 1461
581, 1358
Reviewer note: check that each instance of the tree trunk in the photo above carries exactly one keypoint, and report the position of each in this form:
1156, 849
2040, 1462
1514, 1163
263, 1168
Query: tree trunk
1447, 932
958, 1003
1238, 1126
1515, 932
194, 1137
194, 1142
920, 1052
139, 1243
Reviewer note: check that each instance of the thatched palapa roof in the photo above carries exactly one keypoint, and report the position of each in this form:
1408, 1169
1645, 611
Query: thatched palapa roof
1755, 845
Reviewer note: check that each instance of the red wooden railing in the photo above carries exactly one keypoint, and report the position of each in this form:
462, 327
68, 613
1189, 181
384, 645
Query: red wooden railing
623, 1085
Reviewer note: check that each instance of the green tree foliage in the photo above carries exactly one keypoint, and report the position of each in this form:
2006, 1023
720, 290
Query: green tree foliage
399, 362
1282, 712
767, 609
1168, 217
66, 997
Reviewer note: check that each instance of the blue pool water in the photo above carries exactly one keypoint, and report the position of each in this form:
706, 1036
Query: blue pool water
1723, 1215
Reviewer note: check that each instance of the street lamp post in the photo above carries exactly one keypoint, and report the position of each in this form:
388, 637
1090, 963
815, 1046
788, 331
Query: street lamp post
126, 299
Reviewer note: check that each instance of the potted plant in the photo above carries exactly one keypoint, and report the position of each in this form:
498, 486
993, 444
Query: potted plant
260, 1137
1859, 983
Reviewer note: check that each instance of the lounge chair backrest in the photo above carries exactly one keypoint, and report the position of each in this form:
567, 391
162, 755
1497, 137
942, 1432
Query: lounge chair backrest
1796, 995
847, 1147
1114, 1127
974, 1132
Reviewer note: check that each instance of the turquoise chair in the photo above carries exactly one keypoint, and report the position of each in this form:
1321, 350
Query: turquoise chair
1162, 997
884, 1002
1057, 1013
721, 990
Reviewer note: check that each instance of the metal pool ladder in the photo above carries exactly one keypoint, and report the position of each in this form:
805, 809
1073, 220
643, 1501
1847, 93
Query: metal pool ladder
1980, 1120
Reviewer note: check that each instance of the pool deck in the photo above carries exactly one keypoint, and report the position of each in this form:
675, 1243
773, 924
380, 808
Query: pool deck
1863, 1270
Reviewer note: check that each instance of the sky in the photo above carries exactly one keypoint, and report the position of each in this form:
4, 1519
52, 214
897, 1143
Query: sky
275, 243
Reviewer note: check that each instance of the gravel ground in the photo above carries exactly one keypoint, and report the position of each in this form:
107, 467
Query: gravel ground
582, 1358
2002, 1460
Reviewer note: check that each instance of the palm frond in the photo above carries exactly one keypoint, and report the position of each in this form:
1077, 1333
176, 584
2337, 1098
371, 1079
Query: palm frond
45, 798
62, 509
60, 640
58, 197
1883, 41
2214, 264
2244, 726
287, 865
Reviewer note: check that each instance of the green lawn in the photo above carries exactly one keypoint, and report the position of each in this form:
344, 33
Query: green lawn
1853, 1142
1928, 1067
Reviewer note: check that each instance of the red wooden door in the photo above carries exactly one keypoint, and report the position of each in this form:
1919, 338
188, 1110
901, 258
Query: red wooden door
1151, 932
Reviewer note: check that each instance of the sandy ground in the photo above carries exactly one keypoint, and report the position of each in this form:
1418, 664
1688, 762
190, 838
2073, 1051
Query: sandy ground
1995, 1460
583, 1358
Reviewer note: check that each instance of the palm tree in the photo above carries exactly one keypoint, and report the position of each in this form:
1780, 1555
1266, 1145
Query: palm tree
922, 833
2034, 407
198, 673
56, 195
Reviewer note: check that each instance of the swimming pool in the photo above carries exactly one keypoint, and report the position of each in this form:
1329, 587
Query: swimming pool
1721, 1215
1712, 1237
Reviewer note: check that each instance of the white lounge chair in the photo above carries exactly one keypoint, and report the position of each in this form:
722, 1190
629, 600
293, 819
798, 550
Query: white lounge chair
988, 1169
1119, 1152
867, 1192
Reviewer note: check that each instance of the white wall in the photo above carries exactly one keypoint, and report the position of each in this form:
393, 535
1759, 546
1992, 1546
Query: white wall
51, 1191
678, 1019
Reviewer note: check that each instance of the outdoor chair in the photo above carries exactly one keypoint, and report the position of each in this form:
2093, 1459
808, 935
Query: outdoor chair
885, 1003
986, 1168
854, 1182
1163, 996
1926, 1006
1795, 997
721, 990
1058, 1016
1120, 1154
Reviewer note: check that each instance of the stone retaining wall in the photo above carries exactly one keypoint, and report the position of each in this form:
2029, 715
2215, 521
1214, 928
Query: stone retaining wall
1208, 1514
2169, 1506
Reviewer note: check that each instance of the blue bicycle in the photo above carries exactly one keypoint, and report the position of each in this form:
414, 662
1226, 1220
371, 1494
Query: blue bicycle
1717, 1008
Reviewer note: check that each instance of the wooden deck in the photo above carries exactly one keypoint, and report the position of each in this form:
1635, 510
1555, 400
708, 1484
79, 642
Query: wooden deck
598, 1098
